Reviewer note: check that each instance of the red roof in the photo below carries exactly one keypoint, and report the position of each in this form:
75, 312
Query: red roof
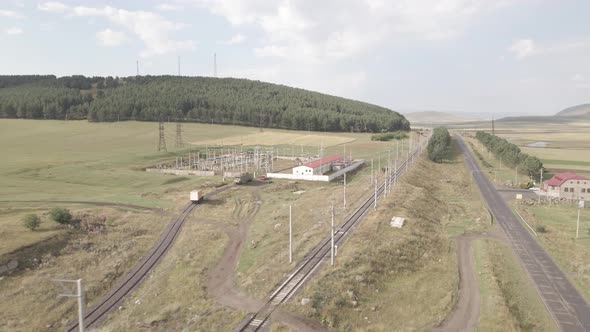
322, 161
558, 179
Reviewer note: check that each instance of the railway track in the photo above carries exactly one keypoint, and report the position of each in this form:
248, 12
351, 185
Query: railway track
112, 300
310, 263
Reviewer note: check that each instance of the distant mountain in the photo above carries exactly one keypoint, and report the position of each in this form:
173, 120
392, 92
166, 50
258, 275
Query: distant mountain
582, 110
436, 117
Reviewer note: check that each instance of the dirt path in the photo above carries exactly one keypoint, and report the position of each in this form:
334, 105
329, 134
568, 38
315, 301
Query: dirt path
121, 205
221, 285
465, 314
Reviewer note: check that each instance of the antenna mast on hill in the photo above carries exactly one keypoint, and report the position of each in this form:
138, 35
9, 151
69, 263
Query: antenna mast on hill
162, 143
178, 142
214, 64
179, 65
137, 67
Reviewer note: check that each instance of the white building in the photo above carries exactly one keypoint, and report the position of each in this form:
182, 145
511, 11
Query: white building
318, 166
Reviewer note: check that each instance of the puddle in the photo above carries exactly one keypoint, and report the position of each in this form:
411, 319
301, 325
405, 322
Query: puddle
539, 144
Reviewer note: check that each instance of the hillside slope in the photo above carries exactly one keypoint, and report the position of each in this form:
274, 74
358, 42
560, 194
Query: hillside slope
582, 110
197, 99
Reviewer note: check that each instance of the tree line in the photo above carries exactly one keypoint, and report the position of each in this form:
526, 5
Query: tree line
439, 146
510, 154
195, 99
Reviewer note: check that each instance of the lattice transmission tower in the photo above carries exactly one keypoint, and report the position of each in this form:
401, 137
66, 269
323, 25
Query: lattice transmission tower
179, 142
162, 143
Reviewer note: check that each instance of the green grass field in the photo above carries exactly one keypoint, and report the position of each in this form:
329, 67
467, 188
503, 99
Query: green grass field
571, 254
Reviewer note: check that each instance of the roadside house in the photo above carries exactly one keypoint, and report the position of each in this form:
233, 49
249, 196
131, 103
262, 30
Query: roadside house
568, 185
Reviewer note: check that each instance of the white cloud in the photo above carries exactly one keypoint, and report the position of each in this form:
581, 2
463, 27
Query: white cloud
151, 28
523, 48
169, 7
272, 50
13, 31
52, 6
578, 78
236, 39
316, 31
110, 38
10, 14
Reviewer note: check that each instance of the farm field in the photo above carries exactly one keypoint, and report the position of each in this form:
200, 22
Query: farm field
563, 147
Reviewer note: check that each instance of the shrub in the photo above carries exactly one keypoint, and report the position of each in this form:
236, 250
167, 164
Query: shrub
541, 229
389, 136
32, 221
439, 146
60, 215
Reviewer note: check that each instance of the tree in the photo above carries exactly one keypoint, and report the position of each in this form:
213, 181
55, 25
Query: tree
60, 215
439, 145
32, 221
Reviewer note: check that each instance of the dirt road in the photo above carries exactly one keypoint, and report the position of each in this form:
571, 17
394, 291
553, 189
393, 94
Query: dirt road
465, 314
221, 282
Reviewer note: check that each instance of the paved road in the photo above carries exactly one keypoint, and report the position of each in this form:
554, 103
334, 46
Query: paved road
565, 303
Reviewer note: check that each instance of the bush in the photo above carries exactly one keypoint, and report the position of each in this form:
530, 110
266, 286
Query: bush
389, 136
439, 146
541, 229
60, 215
32, 221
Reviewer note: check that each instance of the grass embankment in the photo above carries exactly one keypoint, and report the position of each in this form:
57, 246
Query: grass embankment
509, 301
571, 255
30, 298
401, 279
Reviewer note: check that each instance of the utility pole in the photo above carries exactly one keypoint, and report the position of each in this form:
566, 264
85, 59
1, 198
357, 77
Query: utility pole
540, 184
516, 176
395, 174
178, 142
578, 222
79, 294
344, 191
375, 200
162, 142
137, 67
332, 232
290, 236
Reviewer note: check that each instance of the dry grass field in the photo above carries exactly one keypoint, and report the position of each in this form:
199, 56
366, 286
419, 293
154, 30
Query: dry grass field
571, 255
90, 166
407, 279
279, 137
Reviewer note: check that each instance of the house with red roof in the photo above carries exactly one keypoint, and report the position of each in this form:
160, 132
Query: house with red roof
319, 166
568, 185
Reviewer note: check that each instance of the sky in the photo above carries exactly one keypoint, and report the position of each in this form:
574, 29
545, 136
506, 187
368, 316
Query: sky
504, 57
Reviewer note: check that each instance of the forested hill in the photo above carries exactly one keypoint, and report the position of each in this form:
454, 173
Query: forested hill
197, 99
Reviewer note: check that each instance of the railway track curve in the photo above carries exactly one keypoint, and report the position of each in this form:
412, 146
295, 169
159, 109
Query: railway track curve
115, 297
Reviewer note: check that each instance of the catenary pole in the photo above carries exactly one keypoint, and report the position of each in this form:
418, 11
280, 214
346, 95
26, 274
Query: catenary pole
332, 241
290, 236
